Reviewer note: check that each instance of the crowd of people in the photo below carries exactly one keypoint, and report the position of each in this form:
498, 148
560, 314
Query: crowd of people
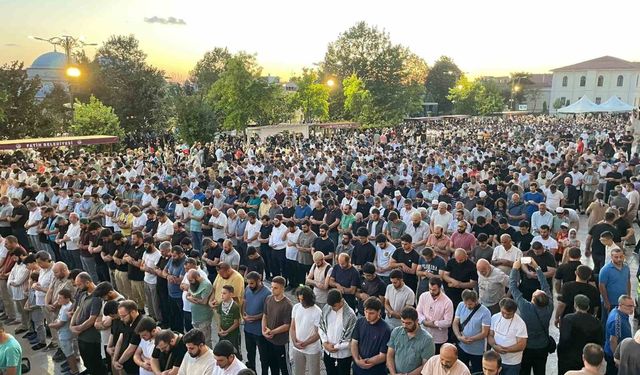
428, 248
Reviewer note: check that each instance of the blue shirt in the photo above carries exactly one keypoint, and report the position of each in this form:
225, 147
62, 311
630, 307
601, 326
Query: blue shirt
372, 340
11, 355
302, 211
615, 281
254, 305
617, 325
176, 268
531, 208
482, 318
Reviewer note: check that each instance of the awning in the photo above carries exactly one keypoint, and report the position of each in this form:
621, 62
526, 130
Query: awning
17, 144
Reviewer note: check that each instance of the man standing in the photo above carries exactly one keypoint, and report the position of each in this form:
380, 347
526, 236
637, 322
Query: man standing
128, 340
617, 329
577, 330
135, 274
397, 296
10, 353
227, 362
459, 274
435, 312
150, 258
369, 340
45, 279
446, 362
174, 271
252, 310
82, 324
346, 279
200, 289
491, 285
200, 359
592, 358
627, 355
471, 327
305, 320
276, 321
410, 346
508, 336
614, 281
59, 282
336, 328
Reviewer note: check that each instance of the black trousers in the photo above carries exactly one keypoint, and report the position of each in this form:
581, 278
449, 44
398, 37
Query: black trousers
163, 301
103, 272
91, 357
303, 270
473, 362
253, 342
186, 318
278, 262
291, 273
534, 359
176, 320
265, 251
337, 366
277, 358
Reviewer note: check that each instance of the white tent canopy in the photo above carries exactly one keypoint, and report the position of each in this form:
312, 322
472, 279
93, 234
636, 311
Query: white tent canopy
582, 105
614, 104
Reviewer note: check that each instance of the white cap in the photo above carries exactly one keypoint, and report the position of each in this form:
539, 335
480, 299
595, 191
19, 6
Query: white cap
482, 194
397, 193
435, 201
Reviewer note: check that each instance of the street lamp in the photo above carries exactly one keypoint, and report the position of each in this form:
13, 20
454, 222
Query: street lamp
73, 72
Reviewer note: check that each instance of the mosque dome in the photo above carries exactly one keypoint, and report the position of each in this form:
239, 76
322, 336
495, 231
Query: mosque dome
50, 60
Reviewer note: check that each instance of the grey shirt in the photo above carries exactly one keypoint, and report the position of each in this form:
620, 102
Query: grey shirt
628, 352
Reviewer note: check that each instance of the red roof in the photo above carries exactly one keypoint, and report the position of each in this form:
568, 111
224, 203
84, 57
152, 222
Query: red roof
601, 63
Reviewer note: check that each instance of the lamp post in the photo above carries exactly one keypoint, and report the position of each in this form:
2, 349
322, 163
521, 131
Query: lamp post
72, 73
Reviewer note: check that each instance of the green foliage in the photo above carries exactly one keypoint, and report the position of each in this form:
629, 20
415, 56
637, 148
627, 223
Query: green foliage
357, 103
558, 103
21, 111
123, 80
194, 119
545, 108
393, 75
475, 98
312, 97
208, 69
54, 113
441, 78
95, 118
241, 96
4, 98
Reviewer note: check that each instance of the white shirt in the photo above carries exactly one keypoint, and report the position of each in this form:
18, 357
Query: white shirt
221, 220
383, 258
73, 232
19, 274
275, 239
140, 221
251, 230
34, 216
147, 347
506, 333
165, 230
307, 323
150, 260
512, 255
553, 199
186, 305
233, 369
334, 335
204, 364
44, 279
111, 207
292, 250
549, 244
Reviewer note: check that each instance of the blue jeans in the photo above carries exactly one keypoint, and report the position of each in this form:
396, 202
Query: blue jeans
89, 265
510, 369
196, 238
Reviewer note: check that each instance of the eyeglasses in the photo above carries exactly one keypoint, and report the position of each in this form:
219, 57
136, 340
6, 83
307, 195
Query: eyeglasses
631, 305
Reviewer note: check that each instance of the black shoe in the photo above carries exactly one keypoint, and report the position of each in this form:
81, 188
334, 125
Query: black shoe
38, 346
20, 330
29, 334
59, 356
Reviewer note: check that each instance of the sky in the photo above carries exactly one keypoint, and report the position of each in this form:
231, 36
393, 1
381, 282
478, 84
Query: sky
490, 37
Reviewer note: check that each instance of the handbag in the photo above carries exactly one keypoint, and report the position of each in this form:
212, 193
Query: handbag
551, 342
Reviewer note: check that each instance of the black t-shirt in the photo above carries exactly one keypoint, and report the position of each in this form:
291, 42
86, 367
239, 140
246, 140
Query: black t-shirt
544, 260
130, 338
487, 229
332, 216
288, 212
119, 253
622, 226
571, 289
213, 253
23, 212
173, 358
364, 209
363, 253
133, 272
597, 248
523, 241
463, 272
409, 259
510, 231
117, 328
109, 248
567, 271
325, 245
256, 265
162, 263
373, 288
317, 215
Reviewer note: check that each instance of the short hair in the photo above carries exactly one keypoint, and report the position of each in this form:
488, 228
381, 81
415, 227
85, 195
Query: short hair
251, 250
195, 337
469, 295
584, 272
41, 255
609, 216
373, 303
146, 324
246, 371
427, 252
66, 293
177, 249
582, 302
545, 227
324, 227
253, 275
369, 268
574, 253
362, 232
84, 276
224, 348
128, 305
492, 356
483, 237
166, 335
436, 280
279, 280
102, 289
396, 274
228, 288
593, 354
333, 297
541, 299
110, 308
606, 234
508, 304
380, 238
409, 312
406, 238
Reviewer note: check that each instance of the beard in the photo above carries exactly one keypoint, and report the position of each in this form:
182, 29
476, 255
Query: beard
196, 355
195, 285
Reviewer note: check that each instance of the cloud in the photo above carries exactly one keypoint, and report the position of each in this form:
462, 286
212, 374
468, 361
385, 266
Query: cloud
11, 45
165, 21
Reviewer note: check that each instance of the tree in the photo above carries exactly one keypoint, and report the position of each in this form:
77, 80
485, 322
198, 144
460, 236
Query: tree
208, 70
463, 96
21, 111
388, 70
488, 99
54, 113
4, 98
124, 81
312, 97
194, 119
95, 118
558, 103
357, 102
441, 78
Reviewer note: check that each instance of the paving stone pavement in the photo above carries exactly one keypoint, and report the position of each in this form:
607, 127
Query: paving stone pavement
42, 363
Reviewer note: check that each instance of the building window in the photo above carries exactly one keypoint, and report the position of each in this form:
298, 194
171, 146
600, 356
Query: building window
565, 81
567, 102
600, 81
583, 81
620, 80
598, 100
563, 100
